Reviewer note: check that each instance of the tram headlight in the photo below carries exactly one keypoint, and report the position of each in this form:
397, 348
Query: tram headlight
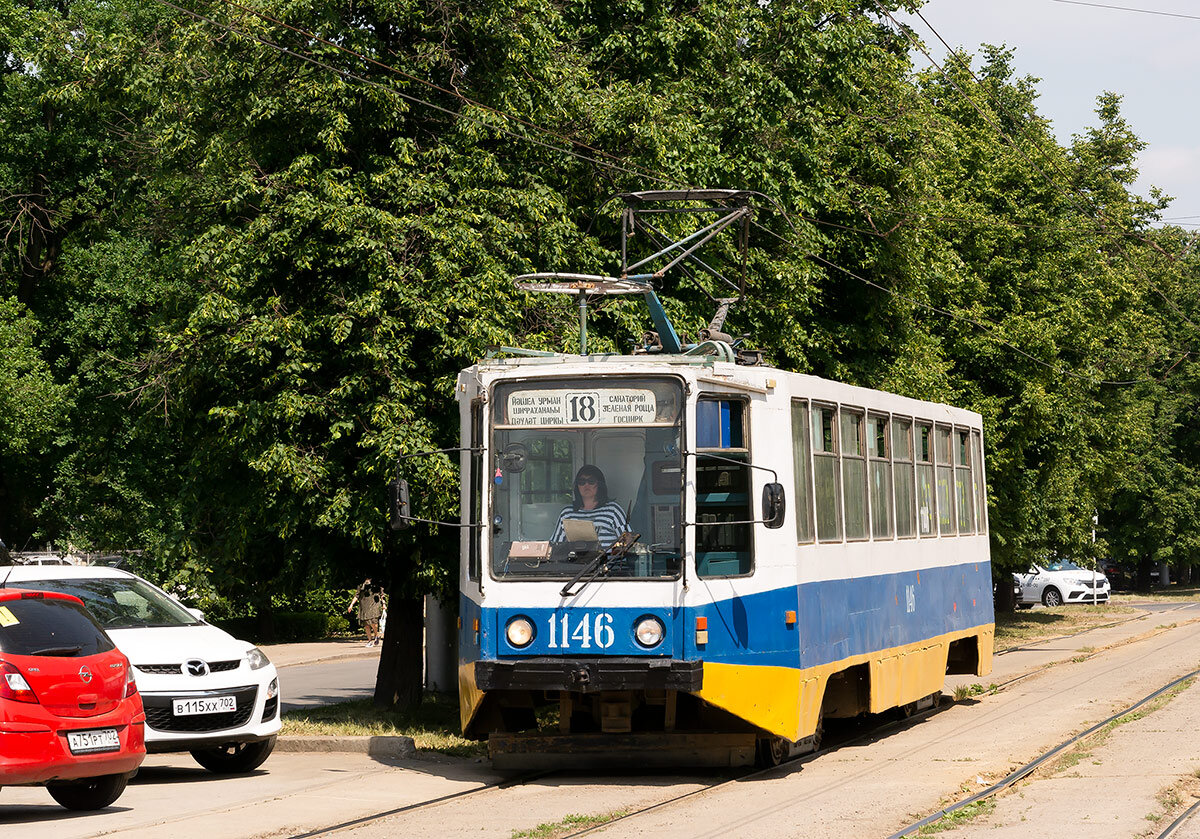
649, 631
519, 632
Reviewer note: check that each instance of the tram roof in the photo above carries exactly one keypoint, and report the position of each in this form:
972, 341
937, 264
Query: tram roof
708, 370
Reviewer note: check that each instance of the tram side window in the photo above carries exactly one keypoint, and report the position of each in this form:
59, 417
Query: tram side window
854, 474
826, 474
980, 489
475, 511
802, 469
881, 476
964, 491
926, 510
722, 489
903, 475
945, 481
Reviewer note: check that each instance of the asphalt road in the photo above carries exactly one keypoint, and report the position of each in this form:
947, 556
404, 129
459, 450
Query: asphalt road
326, 682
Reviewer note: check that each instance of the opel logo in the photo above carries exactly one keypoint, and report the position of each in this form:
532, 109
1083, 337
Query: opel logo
85, 674
196, 667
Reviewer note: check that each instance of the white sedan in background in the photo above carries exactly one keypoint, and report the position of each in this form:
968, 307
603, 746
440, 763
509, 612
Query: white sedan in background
204, 691
1060, 581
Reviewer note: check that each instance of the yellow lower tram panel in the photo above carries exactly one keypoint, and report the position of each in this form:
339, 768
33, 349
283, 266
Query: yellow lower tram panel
788, 702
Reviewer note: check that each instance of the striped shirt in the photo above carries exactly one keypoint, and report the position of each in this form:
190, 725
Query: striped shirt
609, 520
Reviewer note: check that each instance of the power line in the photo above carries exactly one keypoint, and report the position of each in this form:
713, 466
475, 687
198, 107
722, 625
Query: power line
986, 327
614, 163
1004, 135
1128, 9
406, 96
454, 93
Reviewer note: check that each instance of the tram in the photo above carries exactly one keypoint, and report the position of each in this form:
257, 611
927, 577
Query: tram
698, 560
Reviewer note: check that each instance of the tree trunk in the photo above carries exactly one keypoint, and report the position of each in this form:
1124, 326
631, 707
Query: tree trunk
264, 619
1183, 575
398, 682
1005, 602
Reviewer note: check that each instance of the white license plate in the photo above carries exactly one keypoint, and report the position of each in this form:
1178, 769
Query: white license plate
206, 705
100, 740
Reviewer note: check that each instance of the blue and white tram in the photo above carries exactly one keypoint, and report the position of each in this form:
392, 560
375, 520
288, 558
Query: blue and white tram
720, 625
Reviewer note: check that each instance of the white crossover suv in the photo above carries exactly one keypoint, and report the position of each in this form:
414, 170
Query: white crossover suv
205, 692
1060, 581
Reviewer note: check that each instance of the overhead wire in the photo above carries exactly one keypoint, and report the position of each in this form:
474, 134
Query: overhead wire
981, 325
1010, 141
389, 89
1128, 9
449, 92
614, 162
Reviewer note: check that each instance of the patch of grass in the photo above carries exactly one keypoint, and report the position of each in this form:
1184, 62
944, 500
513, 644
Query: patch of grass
568, 824
1030, 625
966, 691
433, 726
959, 817
1170, 594
1082, 750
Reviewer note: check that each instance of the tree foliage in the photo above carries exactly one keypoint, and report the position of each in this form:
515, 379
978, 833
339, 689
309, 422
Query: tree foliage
246, 261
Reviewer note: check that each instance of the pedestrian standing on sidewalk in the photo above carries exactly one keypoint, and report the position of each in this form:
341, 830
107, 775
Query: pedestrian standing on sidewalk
369, 598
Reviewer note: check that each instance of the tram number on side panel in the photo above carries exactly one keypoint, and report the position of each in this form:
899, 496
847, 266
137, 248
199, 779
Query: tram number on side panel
581, 632
910, 598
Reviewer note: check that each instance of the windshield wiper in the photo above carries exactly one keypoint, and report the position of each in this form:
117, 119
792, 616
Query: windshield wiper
58, 650
613, 552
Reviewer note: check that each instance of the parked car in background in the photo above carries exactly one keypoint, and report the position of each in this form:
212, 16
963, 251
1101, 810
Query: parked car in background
70, 714
1118, 578
204, 691
1060, 581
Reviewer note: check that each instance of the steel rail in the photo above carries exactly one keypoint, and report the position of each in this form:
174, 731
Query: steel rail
1022, 771
421, 805
874, 731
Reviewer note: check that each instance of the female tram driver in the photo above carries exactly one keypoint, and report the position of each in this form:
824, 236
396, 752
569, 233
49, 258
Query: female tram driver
592, 504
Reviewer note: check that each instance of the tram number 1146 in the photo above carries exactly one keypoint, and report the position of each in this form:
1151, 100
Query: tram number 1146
585, 631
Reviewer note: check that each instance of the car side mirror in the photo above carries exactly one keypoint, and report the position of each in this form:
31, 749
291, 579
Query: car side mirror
398, 504
774, 505
198, 614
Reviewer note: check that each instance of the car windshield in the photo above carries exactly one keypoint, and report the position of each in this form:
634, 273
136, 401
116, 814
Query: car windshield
578, 463
1062, 565
121, 602
48, 626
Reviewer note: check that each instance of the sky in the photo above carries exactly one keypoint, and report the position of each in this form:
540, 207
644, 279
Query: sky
1149, 57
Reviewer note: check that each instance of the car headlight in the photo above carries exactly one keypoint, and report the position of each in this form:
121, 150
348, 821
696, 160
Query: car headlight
649, 631
257, 658
273, 688
519, 632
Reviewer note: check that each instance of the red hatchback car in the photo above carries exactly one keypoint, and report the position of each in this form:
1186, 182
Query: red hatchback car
70, 714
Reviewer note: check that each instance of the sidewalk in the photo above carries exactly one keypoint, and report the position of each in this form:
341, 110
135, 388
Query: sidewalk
310, 652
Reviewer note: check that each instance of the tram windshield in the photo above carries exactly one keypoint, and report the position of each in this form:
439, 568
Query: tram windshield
576, 464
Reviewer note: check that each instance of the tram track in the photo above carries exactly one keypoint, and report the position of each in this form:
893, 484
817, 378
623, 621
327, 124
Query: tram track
361, 821
1027, 769
715, 786
788, 765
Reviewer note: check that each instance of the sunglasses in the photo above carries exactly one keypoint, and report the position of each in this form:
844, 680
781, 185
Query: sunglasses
587, 482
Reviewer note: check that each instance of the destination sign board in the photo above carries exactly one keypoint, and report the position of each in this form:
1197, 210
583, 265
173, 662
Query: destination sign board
600, 406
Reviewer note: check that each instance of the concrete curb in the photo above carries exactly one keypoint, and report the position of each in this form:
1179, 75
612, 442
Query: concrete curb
318, 659
391, 746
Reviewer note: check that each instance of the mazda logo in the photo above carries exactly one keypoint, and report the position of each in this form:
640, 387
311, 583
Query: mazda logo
196, 667
85, 674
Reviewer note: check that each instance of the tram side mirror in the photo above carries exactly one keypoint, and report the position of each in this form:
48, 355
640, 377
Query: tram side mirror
398, 504
515, 457
774, 504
